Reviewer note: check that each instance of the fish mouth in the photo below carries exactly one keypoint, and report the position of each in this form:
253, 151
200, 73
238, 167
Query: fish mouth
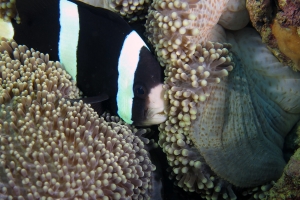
153, 116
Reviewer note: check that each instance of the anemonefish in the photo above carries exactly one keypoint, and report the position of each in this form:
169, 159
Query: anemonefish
100, 51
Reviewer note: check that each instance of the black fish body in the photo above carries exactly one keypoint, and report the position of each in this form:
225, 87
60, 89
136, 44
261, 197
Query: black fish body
100, 51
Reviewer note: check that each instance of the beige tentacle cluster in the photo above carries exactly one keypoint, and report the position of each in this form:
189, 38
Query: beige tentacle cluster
51, 149
132, 10
8, 10
188, 85
175, 27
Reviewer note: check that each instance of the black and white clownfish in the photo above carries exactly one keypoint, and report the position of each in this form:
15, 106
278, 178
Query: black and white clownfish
100, 51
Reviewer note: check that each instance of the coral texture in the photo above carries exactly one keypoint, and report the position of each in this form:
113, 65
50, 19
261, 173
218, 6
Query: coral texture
279, 25
288, 41
287, 187
132, 10
51, 149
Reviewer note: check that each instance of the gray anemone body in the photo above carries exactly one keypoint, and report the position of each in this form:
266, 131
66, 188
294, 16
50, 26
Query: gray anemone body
251, 113
234, 133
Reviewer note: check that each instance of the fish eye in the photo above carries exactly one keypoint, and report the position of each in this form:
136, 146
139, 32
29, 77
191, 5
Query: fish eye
139, 91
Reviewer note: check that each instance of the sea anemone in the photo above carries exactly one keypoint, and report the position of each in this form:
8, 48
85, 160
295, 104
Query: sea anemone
190, 85
8, 10
53, 149
235, 16
227, 121
226, 130
131, 10
175, 27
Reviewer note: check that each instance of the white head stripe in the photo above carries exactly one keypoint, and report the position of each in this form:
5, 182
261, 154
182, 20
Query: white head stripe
128, 61
68, 37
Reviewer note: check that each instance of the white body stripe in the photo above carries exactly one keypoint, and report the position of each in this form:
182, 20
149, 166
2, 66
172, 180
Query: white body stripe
6, 30
68, 37
128, 61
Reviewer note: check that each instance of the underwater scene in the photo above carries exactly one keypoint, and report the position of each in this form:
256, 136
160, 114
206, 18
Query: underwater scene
150, 99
